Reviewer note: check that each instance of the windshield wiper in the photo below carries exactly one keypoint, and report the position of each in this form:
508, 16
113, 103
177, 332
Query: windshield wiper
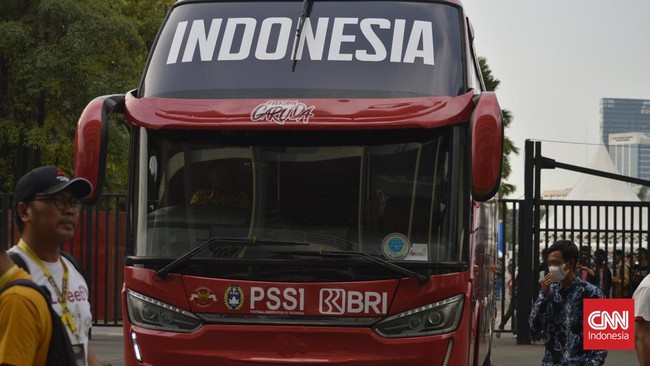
162, 273
422, 279
307, 5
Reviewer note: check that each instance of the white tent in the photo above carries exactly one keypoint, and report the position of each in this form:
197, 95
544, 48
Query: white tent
594, 188
596, 220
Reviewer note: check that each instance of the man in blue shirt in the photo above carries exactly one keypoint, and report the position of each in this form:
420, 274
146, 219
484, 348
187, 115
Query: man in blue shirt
558, 309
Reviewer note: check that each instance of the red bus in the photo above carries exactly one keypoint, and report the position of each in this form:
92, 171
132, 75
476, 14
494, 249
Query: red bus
311, 182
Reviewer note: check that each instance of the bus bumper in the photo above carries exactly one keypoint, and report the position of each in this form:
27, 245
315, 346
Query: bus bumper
289, 345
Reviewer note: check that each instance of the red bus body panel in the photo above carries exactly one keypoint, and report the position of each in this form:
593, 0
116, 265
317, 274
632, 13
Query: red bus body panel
159, 113
281, 344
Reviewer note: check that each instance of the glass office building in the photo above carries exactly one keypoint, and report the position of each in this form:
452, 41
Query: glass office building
630, 153
623, 115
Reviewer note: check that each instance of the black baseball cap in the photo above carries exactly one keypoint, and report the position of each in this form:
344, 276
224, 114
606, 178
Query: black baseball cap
47, 181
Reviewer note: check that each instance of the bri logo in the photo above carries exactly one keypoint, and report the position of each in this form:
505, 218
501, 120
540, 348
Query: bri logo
608, 324
336, 301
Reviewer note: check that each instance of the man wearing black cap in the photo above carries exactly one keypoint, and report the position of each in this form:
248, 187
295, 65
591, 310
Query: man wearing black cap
46, 209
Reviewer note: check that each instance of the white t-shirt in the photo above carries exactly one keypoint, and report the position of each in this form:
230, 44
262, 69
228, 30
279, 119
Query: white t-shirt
78, 299
641, 298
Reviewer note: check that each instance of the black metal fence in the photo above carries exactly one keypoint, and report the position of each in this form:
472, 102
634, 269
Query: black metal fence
100, 246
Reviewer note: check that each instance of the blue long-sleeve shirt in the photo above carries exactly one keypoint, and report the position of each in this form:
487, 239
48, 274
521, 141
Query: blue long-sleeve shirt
559, 314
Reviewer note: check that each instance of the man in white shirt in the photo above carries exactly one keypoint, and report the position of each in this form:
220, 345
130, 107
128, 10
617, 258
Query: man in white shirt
46, 210
642, 321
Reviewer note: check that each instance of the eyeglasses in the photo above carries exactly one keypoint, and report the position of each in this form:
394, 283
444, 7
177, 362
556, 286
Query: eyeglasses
61, 203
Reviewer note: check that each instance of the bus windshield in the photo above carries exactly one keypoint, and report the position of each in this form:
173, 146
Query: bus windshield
337, 49
399, 195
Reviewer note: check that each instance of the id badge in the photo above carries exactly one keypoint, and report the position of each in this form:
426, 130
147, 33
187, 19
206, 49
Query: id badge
79, 354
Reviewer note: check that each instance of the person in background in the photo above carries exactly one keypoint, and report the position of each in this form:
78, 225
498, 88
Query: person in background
25, 321
558, 309
585, 265
641, 298
603, 274
499, 283
543, 267
621, 275
543, 270
46, 210
512, 291
222, 191
640, 267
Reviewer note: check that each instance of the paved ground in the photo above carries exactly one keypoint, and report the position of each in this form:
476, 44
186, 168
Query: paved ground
107, 343
506, 352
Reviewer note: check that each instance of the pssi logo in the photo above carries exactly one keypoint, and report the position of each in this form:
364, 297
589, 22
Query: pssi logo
608, 324
233, 298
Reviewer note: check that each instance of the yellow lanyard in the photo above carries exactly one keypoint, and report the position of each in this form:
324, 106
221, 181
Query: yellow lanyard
66, 314
5, 276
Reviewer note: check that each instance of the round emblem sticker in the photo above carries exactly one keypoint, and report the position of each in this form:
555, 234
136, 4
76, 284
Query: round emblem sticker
395, 246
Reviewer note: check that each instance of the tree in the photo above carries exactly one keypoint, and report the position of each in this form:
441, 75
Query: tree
56, 56
643, 193
491, 84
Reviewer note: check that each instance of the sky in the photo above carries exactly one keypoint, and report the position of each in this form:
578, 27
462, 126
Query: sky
556, 60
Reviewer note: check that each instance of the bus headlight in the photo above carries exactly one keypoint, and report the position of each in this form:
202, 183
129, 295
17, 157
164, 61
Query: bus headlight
436, 318
149, 313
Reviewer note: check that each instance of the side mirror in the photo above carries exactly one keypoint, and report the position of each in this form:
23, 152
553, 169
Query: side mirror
91, 141
487, 147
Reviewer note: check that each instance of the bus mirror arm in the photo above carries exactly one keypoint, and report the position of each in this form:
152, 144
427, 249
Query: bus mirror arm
91, 141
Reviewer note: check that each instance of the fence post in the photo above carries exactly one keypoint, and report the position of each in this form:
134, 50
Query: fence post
525, 272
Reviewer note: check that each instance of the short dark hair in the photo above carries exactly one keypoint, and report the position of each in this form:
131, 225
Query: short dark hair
600, 252
567, 248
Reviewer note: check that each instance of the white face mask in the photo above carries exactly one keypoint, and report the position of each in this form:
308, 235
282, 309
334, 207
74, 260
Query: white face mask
559, 273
